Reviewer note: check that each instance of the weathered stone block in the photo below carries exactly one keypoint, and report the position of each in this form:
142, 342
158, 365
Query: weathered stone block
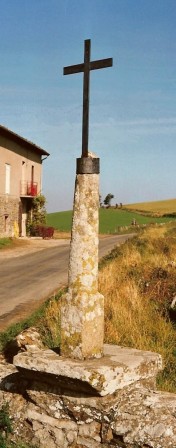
118, 368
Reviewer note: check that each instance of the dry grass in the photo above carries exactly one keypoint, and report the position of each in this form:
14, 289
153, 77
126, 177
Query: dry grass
138, 282
61, 235
138, 287
49, 323
160, 207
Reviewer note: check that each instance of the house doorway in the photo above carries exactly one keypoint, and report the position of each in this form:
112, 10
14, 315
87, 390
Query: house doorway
26, 213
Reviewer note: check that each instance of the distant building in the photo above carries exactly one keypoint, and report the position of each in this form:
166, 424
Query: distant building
20, 181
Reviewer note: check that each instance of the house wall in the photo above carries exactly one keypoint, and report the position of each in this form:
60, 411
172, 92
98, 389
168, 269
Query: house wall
12, 207
10, 212
21, 161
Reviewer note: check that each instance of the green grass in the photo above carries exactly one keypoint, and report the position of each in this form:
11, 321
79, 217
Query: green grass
5, 242
110, 220
13, 330
60, 220
6, 428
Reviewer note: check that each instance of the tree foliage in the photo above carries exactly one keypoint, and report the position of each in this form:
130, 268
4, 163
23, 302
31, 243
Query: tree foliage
38, 216
107, 200
39, 210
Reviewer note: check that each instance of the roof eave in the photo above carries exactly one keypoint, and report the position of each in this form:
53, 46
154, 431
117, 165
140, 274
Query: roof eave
21, 140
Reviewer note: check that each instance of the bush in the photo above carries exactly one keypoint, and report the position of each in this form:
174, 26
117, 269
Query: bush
42, 231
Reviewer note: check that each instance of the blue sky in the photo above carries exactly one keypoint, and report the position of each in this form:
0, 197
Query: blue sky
132, 104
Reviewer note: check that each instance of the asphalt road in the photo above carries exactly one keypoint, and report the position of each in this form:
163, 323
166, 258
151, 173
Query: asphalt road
25, 281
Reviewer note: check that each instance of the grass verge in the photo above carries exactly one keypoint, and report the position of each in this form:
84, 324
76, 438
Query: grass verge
46, 319
5, 242
138, 283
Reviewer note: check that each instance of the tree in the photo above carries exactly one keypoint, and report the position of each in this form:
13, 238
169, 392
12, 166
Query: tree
100, 200
107, 200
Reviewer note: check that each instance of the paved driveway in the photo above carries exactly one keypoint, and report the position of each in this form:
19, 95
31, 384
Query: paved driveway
31, 274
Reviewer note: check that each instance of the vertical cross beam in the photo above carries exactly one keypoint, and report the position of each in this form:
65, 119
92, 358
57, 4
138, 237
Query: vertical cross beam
85, 126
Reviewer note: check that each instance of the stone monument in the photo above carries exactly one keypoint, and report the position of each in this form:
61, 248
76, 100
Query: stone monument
82, 399
82, 313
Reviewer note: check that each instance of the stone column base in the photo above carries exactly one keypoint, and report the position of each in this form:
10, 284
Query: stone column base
82, 325
118, 368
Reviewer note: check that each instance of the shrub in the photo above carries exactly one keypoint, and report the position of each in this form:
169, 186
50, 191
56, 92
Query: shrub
42, 231
39, 211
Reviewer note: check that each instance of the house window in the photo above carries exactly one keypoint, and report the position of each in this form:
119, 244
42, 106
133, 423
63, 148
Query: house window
7, 178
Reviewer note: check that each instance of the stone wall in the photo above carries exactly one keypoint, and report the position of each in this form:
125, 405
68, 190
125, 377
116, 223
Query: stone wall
135, 417
48, 412
9, 216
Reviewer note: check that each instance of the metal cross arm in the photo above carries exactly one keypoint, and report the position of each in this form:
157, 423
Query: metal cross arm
94, 65
85, 68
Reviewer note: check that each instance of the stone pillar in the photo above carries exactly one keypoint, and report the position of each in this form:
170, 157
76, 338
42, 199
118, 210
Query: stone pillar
82, 311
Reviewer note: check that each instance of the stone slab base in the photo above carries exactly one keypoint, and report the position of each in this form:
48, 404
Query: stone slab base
118, 368
44, 414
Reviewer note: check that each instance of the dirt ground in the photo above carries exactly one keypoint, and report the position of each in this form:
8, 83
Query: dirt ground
23, 246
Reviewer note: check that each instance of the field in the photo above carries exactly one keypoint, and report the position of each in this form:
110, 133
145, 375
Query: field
110, 220
60, 220
159, 207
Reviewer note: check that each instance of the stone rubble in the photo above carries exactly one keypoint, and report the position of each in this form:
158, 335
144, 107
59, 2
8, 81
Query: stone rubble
28, 339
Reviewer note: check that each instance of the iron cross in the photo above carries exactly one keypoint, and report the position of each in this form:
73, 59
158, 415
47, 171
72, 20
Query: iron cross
85, 68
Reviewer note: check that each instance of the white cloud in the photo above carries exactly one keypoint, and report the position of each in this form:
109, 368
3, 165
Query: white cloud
145, 126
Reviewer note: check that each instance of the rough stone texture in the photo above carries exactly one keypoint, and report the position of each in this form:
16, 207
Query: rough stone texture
146, 417
118, 368
10, 207
82, 311
29, 339
46, 415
